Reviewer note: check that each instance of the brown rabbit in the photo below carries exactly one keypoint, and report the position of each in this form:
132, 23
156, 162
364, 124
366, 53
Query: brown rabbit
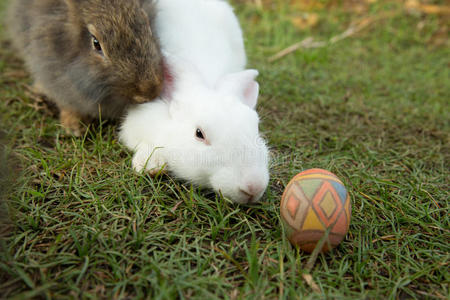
90, 57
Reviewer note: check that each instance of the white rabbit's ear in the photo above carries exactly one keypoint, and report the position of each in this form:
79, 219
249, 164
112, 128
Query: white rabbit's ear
177, 72
169, 81
243, 85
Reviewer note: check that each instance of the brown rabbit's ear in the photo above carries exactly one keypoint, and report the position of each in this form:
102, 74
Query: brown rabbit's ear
71, 4
75, 5
74, 16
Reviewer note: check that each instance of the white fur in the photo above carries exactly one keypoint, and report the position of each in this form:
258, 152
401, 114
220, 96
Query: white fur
203, 46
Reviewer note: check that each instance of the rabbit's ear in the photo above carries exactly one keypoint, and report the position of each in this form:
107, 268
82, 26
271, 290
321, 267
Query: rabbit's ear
178, 73
72, 4
169, 81
75, 7
74, 15
243, 85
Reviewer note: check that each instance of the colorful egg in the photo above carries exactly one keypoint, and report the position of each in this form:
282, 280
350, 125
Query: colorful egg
313, 201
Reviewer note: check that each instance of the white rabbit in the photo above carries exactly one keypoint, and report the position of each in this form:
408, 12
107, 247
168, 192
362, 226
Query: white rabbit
204, 127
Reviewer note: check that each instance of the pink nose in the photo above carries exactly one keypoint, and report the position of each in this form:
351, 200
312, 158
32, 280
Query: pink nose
252, 190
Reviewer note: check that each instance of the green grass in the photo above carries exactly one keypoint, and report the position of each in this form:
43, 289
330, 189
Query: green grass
373, 108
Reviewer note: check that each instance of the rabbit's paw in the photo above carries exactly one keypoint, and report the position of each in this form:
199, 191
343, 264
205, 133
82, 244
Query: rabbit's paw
70, 120
151, 162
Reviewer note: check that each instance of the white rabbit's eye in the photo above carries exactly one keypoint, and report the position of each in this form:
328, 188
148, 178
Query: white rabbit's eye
97, 45
199, 134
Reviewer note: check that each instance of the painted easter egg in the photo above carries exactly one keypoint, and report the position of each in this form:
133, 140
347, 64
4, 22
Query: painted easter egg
313, 201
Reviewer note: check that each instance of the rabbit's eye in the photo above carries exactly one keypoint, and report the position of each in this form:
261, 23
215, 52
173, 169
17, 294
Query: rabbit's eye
96, 44
199, 134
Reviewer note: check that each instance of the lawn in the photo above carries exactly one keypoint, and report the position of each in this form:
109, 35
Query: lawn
373, 107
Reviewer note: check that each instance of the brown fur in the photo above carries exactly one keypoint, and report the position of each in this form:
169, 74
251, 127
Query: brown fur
54, 39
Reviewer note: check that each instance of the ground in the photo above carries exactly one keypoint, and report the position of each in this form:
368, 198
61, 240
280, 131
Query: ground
372, 107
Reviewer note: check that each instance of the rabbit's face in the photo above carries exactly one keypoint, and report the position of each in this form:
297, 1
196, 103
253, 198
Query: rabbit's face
216, 141
118, 38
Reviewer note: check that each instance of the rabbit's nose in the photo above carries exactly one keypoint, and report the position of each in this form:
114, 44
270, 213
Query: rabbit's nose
248, 197
253, 191
150, 88
140, 99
